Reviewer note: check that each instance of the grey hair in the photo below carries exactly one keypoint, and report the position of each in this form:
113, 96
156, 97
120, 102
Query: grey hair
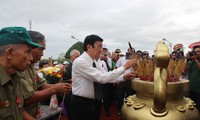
3, 48
73, 51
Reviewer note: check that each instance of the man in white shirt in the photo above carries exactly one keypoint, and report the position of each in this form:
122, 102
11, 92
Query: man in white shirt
108, 88
85, 75
124, 89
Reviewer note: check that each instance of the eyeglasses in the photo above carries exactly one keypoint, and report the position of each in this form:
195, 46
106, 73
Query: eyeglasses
99, 46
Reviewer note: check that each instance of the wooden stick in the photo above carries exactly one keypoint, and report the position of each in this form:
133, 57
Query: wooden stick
62, 106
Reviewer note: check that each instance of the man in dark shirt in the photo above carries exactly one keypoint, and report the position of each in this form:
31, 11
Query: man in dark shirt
67, 77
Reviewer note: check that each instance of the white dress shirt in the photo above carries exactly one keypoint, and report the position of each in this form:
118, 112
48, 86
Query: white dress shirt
109, 60
84, 74
121, 61
102, 64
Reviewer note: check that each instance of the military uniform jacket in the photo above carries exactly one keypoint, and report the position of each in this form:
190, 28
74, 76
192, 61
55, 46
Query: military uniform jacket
31, 83
11, 97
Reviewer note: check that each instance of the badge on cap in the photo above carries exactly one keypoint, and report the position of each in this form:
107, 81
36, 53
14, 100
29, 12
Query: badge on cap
5, 104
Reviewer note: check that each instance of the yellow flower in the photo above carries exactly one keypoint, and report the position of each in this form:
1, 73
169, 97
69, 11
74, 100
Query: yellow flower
59, 75
52, 71
49, 72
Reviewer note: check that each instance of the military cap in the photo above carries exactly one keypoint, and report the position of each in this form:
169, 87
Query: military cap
16, 35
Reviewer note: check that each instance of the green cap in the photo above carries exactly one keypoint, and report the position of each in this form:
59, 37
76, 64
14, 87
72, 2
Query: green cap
16, 35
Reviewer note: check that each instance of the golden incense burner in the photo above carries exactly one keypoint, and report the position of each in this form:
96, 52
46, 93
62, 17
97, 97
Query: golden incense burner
159, 100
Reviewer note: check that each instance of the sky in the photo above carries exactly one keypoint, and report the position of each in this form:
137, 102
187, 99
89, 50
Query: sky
141, 22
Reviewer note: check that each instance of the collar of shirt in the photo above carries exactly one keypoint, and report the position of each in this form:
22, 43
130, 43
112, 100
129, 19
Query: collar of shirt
4, 78
90, 60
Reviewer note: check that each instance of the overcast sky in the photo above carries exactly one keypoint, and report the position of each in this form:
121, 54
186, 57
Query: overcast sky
141, 22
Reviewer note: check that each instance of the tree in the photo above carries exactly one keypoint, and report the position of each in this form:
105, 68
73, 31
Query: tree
61, 58
78, 46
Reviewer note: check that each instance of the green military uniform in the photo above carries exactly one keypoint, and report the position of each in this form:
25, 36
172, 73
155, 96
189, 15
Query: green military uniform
31, 83
11, 87
11, 97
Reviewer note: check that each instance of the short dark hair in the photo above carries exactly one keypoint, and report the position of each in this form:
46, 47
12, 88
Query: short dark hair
91, 39
174, 52
36, 36
196, 47
139, 51
42, 63
117, 50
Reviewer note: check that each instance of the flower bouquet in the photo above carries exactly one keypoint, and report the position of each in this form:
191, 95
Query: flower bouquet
52, 74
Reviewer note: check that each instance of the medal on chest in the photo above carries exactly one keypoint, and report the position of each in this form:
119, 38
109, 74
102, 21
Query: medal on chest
19, 103
5, 104
36, 78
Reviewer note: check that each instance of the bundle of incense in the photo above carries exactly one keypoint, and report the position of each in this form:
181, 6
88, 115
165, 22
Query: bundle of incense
147, 69
171, 68
139, 68
134, 56
175, 69
178, 68
150, 70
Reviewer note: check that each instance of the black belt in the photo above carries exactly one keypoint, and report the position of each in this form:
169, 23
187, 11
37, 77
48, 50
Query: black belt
83, 98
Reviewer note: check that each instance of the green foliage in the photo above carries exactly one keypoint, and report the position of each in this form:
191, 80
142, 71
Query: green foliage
61, 58
78, 46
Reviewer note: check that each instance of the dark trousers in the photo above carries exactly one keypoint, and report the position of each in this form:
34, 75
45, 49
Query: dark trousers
108, 93
67, 104
84, 109
124, 90
195, 96
98, 109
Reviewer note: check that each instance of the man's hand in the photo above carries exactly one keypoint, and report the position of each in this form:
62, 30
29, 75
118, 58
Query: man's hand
129, 76
69, 81
130, 63
62, 87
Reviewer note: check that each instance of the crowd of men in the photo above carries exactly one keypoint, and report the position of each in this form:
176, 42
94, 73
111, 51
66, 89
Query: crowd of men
91, 79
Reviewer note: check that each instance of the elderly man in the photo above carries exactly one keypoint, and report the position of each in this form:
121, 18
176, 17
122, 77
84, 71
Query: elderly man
15, 55
67, 77
35, 88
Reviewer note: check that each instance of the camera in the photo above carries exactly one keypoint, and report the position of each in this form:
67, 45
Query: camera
191, 53
128, 55
191, 56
